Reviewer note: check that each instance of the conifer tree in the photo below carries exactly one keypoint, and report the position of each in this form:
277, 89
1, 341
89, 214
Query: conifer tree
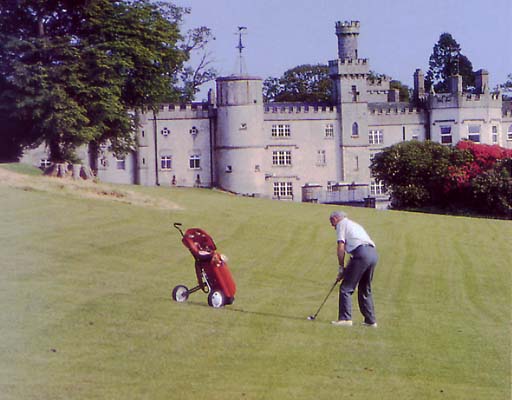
445, 61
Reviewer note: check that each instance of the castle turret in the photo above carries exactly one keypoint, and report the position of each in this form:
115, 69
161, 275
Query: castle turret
239, 147
350, 79
482, 81
419, 85
455, 83
347, 33
348, 72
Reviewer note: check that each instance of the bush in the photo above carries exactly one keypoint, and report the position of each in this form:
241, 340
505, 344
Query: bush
470, 176
414, 172
492, 190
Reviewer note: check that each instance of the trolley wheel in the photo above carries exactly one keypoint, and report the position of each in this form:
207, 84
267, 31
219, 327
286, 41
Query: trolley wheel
216, 299
180, 293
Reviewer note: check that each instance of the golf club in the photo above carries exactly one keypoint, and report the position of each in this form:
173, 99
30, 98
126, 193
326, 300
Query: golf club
313, 317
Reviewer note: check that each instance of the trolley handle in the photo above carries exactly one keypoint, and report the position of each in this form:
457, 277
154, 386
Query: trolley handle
177, 225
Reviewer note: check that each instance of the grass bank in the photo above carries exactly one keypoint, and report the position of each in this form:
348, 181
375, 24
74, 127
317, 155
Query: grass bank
85, 288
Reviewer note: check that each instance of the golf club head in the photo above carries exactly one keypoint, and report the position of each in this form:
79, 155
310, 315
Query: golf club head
311, 317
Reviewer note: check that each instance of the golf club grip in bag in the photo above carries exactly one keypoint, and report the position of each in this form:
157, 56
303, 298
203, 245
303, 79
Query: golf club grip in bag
199, 243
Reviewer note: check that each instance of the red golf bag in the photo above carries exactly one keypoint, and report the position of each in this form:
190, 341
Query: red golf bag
212, 271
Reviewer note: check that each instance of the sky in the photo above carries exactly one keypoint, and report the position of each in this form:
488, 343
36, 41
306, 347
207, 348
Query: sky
397, 36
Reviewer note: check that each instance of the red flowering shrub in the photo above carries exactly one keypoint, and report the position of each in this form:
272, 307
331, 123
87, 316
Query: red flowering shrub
477, 178
458, 177
473, 160
485, 156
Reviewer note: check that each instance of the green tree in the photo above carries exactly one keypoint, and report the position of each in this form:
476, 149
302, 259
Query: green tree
374, 76
11, 127
272, 88
403, 90
192, 77
81, 70
506, 87
492, 190
306, 83
413, 171
508, 83
445, 61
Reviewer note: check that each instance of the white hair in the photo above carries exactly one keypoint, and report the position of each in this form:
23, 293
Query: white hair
338, 214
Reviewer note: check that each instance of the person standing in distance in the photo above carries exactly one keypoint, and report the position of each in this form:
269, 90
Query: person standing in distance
353, 239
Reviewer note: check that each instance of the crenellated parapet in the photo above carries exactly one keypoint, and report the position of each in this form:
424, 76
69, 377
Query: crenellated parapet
382, 82
464, 100
299, 108
184, 111
347, 33
396, 114
347, 27
349, 62
348, 67
382, 109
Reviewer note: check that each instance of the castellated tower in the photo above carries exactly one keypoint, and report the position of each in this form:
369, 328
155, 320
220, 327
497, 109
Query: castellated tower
347, 33
239, 146
349, 73
350, 79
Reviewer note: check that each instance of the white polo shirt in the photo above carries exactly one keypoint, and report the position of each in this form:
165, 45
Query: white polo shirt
352, 234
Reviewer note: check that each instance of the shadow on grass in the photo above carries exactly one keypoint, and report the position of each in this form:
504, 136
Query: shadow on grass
230, 308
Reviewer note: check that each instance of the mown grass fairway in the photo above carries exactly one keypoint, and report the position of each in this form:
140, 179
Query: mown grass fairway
85, 291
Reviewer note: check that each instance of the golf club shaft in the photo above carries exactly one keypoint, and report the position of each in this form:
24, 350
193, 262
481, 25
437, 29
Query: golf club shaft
326, 297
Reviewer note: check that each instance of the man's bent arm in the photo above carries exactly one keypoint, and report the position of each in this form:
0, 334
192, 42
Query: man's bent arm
341, 253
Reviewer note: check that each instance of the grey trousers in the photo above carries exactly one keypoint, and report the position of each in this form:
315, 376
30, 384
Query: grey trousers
359, 272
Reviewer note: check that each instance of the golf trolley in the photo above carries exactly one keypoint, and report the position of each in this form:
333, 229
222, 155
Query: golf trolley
212, 272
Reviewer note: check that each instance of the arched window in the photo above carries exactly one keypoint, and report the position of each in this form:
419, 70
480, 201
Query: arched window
355, 129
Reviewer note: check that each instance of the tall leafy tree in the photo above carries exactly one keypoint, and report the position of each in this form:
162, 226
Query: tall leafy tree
80, 70
37, 64
11, 127
192, 77
445, 61
308, 83
312, 83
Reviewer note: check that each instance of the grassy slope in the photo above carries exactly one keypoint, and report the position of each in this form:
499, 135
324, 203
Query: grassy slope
86, 312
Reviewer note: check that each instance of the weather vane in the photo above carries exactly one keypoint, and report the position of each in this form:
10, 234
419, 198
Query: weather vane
240, 47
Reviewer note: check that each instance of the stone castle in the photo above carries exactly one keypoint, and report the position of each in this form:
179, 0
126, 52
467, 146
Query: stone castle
300, 151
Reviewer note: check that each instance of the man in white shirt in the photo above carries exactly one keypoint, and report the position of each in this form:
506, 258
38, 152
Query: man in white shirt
353, 239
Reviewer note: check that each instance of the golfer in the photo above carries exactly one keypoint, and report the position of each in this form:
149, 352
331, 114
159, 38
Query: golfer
353, 239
